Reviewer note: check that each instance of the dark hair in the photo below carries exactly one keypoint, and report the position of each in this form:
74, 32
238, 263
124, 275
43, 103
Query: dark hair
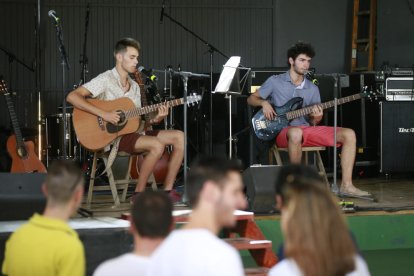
152, 214
213, 168
300, 48
121, 45
62, 178
296, 175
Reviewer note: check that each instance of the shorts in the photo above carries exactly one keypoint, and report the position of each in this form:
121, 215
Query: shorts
313, 136
127, 143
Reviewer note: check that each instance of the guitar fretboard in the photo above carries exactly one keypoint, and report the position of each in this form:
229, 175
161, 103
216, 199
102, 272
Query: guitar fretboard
13, 118
151, 108
308, 110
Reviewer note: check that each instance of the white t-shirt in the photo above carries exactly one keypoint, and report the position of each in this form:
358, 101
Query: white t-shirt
289, 267
107, 86
194, 252
128, 264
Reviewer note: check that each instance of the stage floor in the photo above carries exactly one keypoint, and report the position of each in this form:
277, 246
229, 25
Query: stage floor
393, 194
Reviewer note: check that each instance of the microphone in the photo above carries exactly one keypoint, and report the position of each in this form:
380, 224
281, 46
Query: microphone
147, 73
52, 14
310, 76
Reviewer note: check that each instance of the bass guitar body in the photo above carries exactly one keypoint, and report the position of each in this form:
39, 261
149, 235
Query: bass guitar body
268, 129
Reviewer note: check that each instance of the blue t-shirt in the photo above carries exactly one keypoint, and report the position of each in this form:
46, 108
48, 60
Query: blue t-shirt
279, 89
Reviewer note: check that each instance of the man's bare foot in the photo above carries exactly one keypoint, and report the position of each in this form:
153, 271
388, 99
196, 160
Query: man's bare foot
352, 190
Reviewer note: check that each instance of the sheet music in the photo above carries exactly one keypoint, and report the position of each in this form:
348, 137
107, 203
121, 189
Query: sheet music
227, 75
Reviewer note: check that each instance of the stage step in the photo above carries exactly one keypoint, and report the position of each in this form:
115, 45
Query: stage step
250, 231
248, 244
256, 271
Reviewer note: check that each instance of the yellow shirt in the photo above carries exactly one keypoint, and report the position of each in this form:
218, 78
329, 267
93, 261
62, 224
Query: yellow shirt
44, 247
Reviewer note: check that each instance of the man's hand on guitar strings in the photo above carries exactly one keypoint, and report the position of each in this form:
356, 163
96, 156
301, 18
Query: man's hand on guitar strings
268, 110
317, 111
162, 113
112, 117
316, 114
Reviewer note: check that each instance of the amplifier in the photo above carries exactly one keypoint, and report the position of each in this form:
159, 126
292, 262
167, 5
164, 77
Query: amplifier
401, 71
397, 137
399, 89
259, 75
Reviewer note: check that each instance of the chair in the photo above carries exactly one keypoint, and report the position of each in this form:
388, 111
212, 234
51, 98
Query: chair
275, 152
119, 177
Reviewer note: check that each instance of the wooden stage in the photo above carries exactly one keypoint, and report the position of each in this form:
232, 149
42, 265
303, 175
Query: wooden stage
393, 194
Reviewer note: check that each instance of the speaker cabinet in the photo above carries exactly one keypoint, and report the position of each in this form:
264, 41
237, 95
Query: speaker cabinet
260, 182
397, 137
21, 195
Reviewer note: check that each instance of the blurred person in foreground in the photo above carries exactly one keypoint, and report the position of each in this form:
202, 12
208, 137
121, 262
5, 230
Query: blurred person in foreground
151, 222
215, 191
46, 244
317, 240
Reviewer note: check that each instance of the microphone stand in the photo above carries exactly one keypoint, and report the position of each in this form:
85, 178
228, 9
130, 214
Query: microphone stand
184, 76
11, 59
84, 70
84, 58
65, 64
334, 186
211, 50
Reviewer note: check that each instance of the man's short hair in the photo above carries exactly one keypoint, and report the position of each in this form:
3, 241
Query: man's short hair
62, 178
208, 168
152, 214
300, 48
121, 45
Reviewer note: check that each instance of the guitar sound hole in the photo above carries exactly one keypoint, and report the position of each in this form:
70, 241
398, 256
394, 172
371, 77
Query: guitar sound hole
122, 117
111, 128
21, 151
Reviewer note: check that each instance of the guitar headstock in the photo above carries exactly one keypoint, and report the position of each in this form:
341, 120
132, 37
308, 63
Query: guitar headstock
369, 93
192, 99
3, 87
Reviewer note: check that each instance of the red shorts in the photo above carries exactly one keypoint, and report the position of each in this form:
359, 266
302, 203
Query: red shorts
127, 143
313, 136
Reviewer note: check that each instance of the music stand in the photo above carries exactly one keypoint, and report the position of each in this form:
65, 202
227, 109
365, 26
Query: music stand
230, 86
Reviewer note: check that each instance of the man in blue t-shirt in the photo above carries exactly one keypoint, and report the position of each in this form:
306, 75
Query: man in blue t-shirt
303, 131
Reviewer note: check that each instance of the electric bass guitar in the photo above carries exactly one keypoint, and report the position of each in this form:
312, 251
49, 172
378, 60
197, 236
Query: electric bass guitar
24, 159
268, 129
94, 133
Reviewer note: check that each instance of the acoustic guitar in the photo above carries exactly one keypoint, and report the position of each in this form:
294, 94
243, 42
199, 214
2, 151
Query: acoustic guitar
94, 133
22, 153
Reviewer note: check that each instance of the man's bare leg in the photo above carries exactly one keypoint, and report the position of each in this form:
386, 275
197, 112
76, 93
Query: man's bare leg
294, 135
175, 138
154, 150
346, 136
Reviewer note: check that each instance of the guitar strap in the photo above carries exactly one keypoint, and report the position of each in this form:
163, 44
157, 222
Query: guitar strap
112, 155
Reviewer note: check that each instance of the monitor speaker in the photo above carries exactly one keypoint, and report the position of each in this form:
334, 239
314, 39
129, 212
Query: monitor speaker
21, 195
260, 182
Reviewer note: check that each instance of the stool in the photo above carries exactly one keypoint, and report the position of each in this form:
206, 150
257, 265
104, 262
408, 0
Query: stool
118, 176
274, 152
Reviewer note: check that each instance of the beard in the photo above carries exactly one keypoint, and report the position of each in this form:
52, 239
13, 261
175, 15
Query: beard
298, 71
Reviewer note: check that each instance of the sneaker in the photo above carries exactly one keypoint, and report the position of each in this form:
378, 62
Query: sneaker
174, 196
